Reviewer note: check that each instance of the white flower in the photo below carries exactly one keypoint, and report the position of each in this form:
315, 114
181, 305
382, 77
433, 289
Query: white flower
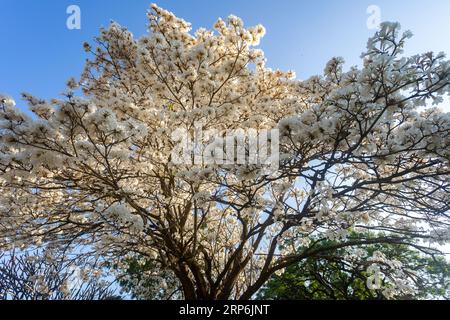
8, 102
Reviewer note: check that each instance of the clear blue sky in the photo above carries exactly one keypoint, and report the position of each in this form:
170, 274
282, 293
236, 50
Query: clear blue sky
39, 53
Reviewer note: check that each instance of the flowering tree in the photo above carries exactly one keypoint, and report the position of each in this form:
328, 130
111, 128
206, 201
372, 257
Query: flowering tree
48, 274
355, 154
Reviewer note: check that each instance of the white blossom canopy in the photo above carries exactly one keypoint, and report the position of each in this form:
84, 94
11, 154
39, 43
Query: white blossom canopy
361, 151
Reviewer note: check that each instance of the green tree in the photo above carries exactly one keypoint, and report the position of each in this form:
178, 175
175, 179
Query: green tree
332, 277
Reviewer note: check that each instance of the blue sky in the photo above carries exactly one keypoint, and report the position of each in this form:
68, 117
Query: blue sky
39, 53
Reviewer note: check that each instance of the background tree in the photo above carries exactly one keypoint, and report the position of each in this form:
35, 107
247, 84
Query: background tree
142, 279
331, 277
47, 275
356, 153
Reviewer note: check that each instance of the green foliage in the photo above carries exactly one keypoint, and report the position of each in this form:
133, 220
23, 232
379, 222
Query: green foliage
330, 277
141, 279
